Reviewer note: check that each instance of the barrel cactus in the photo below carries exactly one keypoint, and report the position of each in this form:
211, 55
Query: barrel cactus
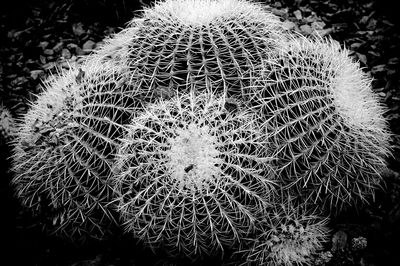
289, 235
327, 129
202, 44
7, 125
63, 151
192, 175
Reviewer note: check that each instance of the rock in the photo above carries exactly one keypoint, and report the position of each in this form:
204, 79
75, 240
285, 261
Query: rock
306, 29
378, 69
88, 46
318, 25
339, 241
79, 51
43, 44
72, 46
48, 52
298, 14
42, 59
66, 53
289, 25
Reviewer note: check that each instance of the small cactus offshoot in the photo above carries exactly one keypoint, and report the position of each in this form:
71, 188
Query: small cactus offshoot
289, 235
192, 176
63, 152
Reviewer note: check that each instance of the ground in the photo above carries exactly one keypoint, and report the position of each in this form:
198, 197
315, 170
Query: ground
37, 36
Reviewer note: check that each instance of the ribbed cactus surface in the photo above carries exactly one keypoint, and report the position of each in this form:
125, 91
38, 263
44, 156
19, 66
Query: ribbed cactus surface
329, 136
192, 174
63, 151
207, 44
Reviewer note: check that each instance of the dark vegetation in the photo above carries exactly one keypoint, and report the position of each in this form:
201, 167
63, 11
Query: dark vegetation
37, 36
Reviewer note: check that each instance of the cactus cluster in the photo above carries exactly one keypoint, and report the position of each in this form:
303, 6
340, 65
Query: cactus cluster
187, 127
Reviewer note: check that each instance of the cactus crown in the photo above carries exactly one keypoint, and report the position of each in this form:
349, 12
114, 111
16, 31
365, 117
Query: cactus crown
193, 158
203, 12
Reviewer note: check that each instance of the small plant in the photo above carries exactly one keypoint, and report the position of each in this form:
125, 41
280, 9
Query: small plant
329, 136
63, 151
289, 235
192, 176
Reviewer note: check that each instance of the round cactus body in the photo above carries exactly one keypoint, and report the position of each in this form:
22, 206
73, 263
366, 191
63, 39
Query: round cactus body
329, 136
289, 235
63, 151
206, 44
192, 175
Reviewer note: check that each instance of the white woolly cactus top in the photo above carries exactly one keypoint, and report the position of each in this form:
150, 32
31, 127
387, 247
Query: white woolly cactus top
330, 135
349, 85
203, 12
193, 157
